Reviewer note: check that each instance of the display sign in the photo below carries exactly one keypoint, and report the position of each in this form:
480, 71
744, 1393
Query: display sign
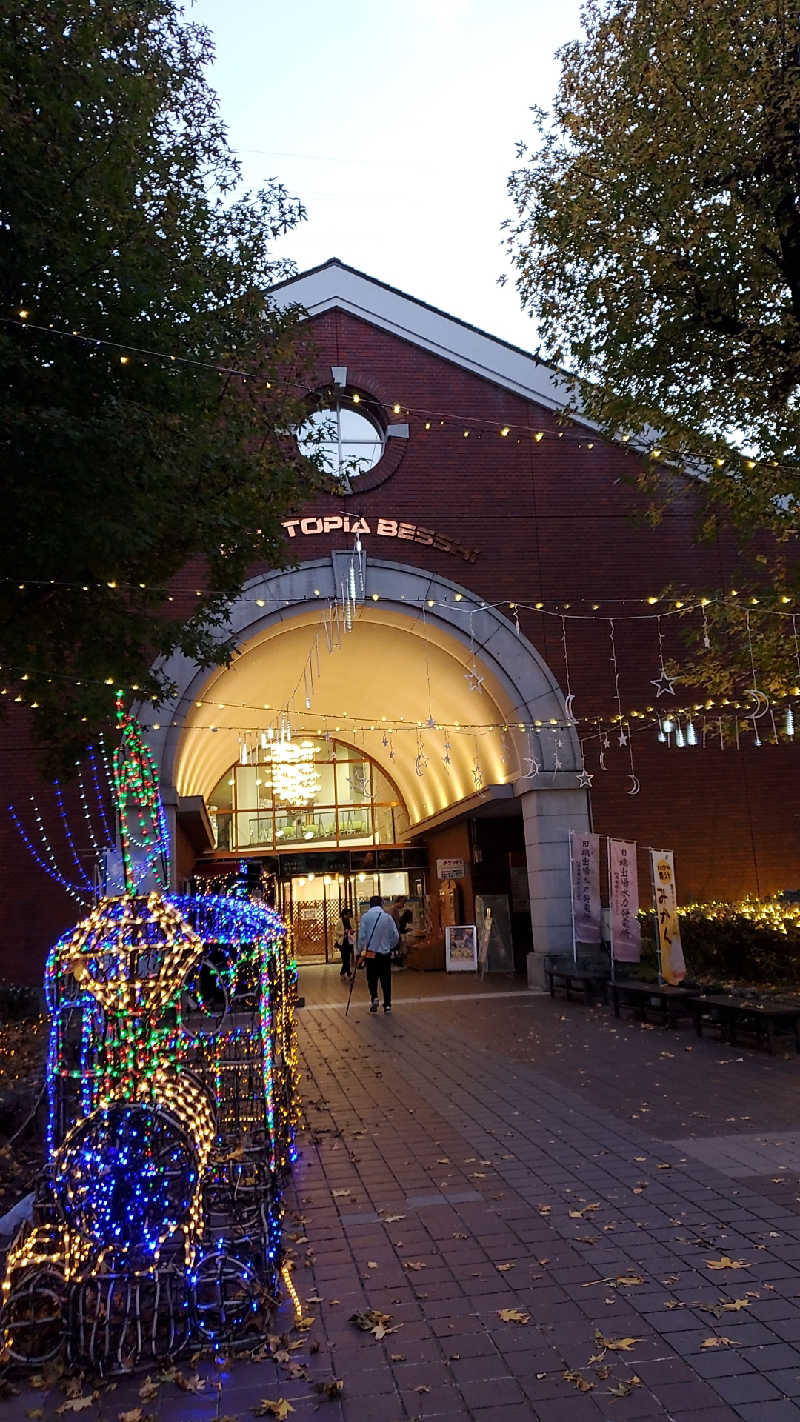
450, 869
623, 898
670, 948
584, 850
461, 948
315, 524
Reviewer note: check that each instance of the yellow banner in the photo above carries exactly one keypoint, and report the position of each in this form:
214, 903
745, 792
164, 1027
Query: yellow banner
670, 948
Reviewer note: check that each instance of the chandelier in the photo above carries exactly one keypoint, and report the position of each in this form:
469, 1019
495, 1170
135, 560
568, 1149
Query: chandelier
295, 778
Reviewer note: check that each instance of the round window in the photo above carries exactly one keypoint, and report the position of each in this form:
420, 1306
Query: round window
346, 440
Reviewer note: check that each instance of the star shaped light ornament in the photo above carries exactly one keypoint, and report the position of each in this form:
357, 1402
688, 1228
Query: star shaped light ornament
585, 779
623, 739
662, 684
475, 681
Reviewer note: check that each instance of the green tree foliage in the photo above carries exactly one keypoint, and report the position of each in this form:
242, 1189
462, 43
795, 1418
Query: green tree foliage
122, 219
657, 238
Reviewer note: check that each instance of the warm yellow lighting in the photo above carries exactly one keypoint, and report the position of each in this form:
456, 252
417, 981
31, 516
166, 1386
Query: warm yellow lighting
397, 409
123, 360
24, 315
356, 399
505, 431
539, 436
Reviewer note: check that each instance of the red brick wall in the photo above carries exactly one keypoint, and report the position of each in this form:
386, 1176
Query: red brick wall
553, 522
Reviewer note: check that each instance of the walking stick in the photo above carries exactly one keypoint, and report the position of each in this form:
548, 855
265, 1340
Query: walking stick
352, 983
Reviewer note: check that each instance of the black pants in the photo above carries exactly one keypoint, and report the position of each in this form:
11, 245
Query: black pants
346, 951
379, 970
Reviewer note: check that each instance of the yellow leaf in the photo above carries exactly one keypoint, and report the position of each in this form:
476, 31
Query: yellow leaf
392, 1219
718, 1341
503, 1268
336, 1194
78, 1404
413, 1264
617, 1345
726, 1263
736, 1305
578, 1380
135, 1415
372, 1264
628, 1280
148, 1389
513, 1315
279, 1408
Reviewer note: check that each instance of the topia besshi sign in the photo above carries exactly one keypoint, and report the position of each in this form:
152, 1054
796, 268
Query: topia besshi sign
315, 524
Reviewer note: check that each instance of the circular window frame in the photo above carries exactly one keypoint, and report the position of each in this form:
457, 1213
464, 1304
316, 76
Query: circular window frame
333, 397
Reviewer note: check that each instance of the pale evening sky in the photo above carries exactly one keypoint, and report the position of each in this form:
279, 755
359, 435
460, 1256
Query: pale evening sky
396, 125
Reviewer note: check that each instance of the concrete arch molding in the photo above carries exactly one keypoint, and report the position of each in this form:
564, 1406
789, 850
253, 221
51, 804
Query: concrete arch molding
436, 610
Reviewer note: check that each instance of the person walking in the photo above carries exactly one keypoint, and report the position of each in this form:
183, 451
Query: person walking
347, 944
377, 936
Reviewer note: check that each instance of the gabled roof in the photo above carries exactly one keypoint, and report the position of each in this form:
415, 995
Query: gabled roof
337, 286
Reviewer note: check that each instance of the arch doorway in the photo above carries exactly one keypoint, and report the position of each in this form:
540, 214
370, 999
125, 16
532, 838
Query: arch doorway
435, 691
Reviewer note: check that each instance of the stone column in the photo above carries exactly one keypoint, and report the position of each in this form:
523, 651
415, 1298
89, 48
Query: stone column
548, 816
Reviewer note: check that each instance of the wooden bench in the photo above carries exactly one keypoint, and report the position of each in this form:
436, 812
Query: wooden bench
669, 1002
734, 1015
588, 978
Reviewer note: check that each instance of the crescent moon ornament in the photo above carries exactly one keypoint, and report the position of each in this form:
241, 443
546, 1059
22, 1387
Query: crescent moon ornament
761, 706
568, 708
634, 790
602, 761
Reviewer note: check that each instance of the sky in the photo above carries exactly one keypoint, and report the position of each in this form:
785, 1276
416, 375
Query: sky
396, 123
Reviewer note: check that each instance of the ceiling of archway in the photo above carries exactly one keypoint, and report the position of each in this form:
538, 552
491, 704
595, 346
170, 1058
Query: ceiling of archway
389, 666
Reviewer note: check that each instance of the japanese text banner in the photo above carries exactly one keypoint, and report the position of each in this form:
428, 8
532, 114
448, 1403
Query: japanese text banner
623, 883
586, 914
662, 872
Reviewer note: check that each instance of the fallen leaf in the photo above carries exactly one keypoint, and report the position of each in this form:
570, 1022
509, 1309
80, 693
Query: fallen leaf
193, 1383
625, 1387
34, 1413
578, 1380
735, 1305
458, 1236
78, 1404
544, 1209
303, 1324
135, 1415
443, 1160
503, 1268
726, 1263
278, 1408
397, 1357
336, 1195
413, 1264
148, 1389
372, 1264
628, 1280
718, 1341
513, 1315
392, 1219
616, 1345
331, 1389
421, 1388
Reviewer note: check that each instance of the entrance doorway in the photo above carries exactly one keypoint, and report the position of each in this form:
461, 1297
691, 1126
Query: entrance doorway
312, 904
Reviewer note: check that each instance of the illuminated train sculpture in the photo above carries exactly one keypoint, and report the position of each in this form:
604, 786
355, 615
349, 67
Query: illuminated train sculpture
171, 1117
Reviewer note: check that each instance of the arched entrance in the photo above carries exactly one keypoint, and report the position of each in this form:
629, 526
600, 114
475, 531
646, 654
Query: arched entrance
432, 685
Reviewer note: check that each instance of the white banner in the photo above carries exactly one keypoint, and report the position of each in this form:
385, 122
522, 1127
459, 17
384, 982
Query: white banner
587, 917
670, 948
623, 894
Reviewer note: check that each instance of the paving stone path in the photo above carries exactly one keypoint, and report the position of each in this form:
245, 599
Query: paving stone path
628, 1198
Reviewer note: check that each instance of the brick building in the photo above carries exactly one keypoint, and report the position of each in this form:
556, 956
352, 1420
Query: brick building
450, 689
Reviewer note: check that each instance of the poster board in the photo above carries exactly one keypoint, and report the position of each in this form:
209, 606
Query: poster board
461, 948
493, 919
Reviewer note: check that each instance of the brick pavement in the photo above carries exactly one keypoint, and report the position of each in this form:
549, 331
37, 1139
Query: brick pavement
497, 1151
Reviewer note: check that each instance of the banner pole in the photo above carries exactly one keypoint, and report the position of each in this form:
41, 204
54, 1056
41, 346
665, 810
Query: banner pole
610, 907
572, 899
654, 897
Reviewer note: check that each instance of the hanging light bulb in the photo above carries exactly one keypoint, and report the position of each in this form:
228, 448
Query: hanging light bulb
789, 721
661, 735
680, 739
243, 754
669, 725
691, 734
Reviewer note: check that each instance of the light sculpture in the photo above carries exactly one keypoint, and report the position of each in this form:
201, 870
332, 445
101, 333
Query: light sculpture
171, 1113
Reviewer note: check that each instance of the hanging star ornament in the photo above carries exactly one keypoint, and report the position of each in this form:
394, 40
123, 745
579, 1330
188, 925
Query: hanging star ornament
532, 767
585, 779
622, 739
662, 684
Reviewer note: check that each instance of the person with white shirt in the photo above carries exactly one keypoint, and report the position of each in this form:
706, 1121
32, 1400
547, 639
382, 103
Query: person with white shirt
377, 936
